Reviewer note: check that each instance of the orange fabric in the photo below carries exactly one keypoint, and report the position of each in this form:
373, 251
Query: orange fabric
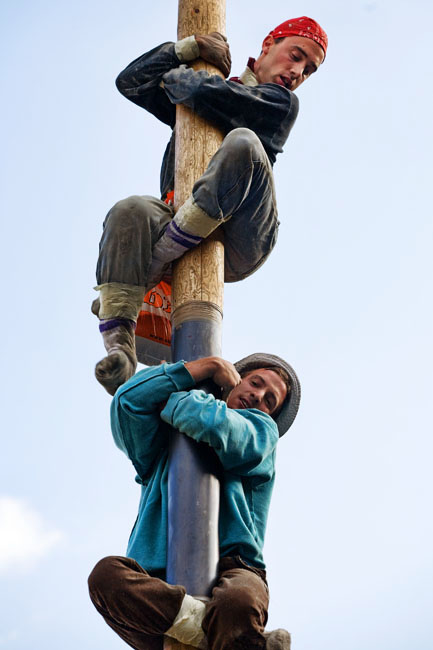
154, 318
169, 199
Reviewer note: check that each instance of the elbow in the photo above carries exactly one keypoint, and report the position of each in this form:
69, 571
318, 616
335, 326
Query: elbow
121, 84
294, 109
121, 403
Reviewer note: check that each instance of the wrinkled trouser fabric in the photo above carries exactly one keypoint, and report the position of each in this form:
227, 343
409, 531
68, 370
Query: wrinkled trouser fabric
140, 608
237, 185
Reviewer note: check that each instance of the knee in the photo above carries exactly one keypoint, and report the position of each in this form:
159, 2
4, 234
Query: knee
237, 614
244, 142
237, 605
126, 212
102, 579
237, 611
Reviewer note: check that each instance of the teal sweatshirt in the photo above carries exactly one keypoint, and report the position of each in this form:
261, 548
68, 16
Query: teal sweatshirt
244, 440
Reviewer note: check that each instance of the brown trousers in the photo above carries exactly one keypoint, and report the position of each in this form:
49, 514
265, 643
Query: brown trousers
140, 607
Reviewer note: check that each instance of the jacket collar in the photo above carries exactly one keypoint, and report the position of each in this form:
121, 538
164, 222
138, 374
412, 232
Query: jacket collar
247, 78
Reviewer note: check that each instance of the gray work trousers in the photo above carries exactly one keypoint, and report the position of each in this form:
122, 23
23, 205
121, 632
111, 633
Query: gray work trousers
141, 607
237, 185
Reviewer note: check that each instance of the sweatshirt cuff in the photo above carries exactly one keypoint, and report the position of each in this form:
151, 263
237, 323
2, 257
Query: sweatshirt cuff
187, 49
180, 376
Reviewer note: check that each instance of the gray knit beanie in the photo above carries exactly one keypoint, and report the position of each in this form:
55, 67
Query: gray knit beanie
290, 407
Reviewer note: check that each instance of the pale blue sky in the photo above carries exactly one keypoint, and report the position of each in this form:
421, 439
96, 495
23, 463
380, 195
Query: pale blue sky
345, 297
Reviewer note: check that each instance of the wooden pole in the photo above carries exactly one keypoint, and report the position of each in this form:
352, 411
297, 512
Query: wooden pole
197, 303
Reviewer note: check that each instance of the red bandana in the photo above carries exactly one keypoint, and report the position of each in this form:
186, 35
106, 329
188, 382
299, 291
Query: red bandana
304, 26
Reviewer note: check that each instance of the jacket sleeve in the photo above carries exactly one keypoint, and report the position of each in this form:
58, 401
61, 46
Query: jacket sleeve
244, 440
140, 82
267, 109
135, 419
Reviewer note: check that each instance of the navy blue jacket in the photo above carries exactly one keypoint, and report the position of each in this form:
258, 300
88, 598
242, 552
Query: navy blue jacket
270, 110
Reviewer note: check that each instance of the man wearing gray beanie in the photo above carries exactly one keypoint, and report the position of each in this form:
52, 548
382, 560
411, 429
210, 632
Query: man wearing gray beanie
257, 401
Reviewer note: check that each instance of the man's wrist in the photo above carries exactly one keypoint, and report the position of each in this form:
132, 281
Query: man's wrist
202, 369
187, 49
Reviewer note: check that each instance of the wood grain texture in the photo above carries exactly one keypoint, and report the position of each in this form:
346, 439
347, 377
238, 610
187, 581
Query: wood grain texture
199, 274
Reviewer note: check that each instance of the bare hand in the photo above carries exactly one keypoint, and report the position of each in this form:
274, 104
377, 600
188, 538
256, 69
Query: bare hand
215, 50
222, 372
226, 376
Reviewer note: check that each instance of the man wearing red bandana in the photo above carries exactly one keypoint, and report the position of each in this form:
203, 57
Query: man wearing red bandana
256, 111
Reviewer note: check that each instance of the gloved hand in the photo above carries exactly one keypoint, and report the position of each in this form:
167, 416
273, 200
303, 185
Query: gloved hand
215, 50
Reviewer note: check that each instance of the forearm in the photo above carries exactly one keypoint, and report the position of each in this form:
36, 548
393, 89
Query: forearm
135, 421
147, 389
268, 109
140, 81
148, 68
244, 441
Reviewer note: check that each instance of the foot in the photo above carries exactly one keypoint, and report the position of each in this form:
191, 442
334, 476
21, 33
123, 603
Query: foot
114, 370
186, 626
121, 361
277, 640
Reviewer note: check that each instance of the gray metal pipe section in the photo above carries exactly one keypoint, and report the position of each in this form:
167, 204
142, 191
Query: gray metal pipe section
193, 486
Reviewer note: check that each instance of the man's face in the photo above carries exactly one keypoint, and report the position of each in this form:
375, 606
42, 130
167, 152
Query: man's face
289, 62
261, 389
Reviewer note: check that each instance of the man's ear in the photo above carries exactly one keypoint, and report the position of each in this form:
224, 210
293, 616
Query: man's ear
267, 43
